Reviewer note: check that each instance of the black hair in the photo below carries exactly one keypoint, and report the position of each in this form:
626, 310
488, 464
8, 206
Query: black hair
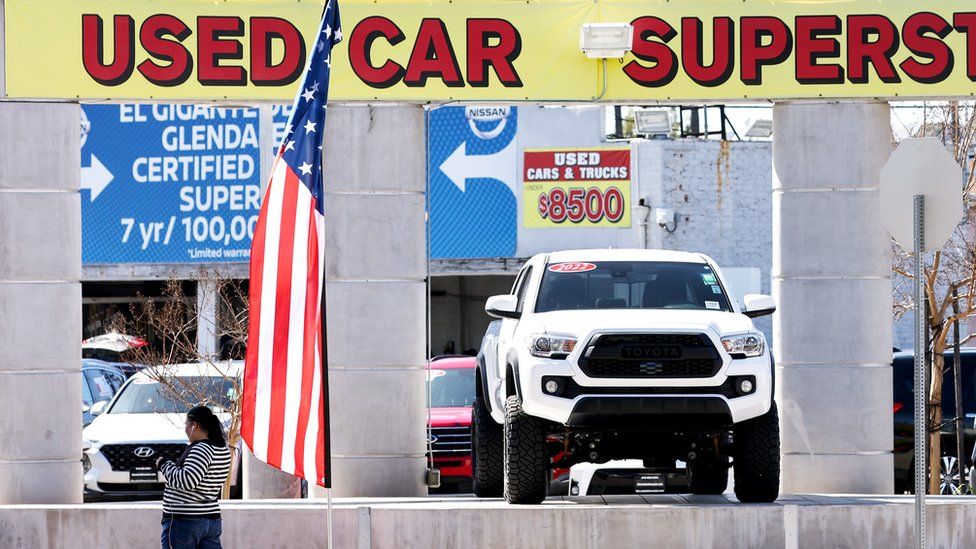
205, 418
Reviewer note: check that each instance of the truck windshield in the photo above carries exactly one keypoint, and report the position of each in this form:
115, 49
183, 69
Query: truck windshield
630, 285
451, 387
176, 394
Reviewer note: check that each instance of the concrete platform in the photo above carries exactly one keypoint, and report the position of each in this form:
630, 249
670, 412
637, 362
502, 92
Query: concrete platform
660, 521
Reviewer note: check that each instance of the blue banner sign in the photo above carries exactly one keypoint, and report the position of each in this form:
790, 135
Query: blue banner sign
472, 177
168, 183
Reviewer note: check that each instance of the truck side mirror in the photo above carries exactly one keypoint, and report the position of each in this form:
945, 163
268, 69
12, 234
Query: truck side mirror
502, 306
755, 305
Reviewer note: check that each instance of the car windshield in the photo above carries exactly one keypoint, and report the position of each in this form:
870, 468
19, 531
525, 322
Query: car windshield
630, 285
452, 387
176, 394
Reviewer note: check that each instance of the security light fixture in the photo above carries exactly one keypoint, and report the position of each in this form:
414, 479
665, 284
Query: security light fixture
760, 129
653, 122
606, 40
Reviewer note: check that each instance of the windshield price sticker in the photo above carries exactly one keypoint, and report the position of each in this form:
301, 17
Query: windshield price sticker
571, 267
712, 305
576, 188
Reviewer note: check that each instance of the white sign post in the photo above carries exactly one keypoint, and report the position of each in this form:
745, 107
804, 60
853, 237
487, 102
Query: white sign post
921, 204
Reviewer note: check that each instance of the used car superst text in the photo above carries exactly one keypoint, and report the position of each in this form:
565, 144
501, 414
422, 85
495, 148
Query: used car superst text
624, 354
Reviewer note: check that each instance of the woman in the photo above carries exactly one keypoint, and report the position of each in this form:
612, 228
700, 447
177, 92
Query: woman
191, 516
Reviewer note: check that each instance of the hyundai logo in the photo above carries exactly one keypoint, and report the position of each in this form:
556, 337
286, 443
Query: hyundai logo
432, 438
143, 451
651, 368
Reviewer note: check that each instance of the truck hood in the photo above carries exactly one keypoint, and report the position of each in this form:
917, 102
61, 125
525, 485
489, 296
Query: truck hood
450, 417
582, 323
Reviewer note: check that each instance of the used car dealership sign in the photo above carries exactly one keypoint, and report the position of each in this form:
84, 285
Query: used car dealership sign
491, 50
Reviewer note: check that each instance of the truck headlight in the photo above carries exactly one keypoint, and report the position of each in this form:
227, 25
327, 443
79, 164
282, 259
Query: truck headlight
745, 345
551, 346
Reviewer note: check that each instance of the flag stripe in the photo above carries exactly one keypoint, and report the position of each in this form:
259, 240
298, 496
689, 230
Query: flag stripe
311, 348
253, 328
279, 375
269, 283
296, 326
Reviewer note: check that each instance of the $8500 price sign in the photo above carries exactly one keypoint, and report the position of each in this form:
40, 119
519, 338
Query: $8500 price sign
576, 188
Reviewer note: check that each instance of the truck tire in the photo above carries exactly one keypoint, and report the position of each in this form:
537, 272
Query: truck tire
487, 469
709, 475
756, 458
526, 460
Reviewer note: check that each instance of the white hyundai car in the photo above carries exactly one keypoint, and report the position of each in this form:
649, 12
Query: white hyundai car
607, 355
145, 420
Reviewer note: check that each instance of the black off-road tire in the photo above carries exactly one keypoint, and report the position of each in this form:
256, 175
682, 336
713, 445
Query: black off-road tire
487, 442
526, 459
756, 458
709, 475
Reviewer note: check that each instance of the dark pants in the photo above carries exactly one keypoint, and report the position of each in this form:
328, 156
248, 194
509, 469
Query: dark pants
197, 533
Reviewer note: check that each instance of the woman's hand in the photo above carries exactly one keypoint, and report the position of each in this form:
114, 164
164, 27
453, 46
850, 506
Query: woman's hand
159, 461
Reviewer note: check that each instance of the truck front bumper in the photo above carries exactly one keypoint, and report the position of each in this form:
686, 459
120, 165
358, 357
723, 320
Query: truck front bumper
646, 402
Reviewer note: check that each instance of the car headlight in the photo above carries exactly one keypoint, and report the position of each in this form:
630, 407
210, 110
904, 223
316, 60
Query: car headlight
551, 346
85, 462
745, 345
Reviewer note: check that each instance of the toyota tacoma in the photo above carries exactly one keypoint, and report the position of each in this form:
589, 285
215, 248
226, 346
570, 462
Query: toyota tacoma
624, 354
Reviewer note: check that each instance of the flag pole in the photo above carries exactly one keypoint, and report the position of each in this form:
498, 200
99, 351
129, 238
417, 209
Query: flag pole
327, 480
326, 432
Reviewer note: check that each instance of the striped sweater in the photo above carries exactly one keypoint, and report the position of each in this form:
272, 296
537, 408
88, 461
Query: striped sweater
193, 483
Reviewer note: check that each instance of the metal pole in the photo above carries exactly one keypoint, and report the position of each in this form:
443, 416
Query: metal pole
920, 389
957, 382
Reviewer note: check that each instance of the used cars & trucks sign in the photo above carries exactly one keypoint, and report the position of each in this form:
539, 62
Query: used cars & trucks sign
405, 50
576, 188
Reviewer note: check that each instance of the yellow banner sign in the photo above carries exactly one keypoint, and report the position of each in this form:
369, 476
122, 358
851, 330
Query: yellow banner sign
492, 50
587, 187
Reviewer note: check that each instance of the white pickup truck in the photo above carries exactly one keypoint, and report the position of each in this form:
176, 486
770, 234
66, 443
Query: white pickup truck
624, 354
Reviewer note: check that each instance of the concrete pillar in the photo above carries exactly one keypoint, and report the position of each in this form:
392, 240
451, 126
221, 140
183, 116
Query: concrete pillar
40, 303
207, 300
375, 171
831, 280
262, 481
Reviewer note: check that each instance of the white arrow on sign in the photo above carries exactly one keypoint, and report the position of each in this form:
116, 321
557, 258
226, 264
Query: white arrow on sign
460, 166
95, 177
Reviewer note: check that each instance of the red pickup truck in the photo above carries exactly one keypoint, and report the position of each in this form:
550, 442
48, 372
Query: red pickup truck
451, 394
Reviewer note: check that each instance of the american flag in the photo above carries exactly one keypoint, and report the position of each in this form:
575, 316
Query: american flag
285, 397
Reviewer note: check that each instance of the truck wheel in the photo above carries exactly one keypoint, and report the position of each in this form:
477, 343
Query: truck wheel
486, 458
709, 475
526, 460
756, 458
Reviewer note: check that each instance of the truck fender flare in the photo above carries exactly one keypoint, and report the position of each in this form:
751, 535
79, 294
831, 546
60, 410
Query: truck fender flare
481, 381
512, 381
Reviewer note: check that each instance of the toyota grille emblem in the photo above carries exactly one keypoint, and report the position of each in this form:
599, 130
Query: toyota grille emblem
143, 451
651, 368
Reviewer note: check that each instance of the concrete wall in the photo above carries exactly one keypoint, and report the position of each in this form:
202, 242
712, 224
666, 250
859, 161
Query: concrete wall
831, 280
375, 271
720, 193
577, 523
40, 301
